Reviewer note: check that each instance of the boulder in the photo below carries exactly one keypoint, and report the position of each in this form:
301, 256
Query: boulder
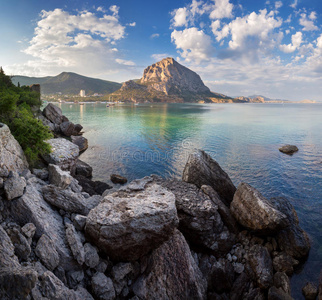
102, 287
14, 186
91, 256
284, 263
310, 291
75, 243
53, 113
47, 253
172, 273
29, 230
80, 141
79, 222
22, 247
137, 222
261, 264
255, 212
201, 169
281, 280
67, 128
59, 177
12, 157
77, 130
118, 179
31, 207
63, 153
83, 169
65, 199
288, 149
200, 221
92, 187
121, 275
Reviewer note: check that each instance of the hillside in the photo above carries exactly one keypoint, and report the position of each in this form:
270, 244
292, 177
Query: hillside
69, 83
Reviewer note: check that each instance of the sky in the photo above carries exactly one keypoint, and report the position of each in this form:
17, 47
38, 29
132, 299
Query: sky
238, 47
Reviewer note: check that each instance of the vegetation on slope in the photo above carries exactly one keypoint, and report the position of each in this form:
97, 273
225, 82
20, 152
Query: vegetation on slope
17, 108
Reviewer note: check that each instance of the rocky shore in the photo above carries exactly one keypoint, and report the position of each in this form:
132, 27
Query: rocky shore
64, 236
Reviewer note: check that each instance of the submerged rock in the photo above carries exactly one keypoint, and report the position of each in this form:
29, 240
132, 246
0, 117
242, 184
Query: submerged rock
128, 224
118, 179
201, 169
255, 212
288, 149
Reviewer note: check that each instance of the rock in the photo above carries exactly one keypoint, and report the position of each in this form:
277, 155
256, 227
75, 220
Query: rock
46, 251
92, 187
53, 113
14, 186
80, 141
29, 230
118, 179
31, 207
59, 177
172, 273
83, 294
79, 222
255, 212
310, 291
83, 169
277, 294
75, 244
67, 128
221, 276
137, 222
284, 263
102, 287
7, 252
22, 247
240, 287
93, 201
282, 281
201, 170
12, 157
200, 221
74, 278
65, 199
288, 149
120, 273
139, 184
52, 127
91, 256
78, 129
41, 173
64, 154
261, 264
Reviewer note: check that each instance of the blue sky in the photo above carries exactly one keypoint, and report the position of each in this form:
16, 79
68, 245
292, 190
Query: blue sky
273, 48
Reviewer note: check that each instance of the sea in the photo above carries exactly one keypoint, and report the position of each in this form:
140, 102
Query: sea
138, 140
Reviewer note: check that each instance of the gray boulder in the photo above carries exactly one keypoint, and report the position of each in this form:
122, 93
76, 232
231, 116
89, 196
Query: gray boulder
91, 256
12, 157
75, 243
47, 253
83, 169
255, 212
80, 141
65, 199
120, 274
67, 128
137, 222
288, 149
29, 231
14, 186
201, 169
41, 173
53, 113
59, 177
102, 287
79, 222
172, 273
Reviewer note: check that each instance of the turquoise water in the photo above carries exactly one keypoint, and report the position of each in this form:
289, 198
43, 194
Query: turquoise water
136, 141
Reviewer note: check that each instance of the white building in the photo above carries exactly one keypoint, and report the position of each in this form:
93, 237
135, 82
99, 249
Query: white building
82, 93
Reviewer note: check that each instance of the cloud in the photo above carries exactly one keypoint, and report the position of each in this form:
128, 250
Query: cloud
125, 62
180, 17
194, 44
294, 4
133, 24
154, 35
278, 4
221, 9
159, 56
296, 43
308, 24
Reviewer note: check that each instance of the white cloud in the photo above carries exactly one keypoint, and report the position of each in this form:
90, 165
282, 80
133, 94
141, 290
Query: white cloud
194, 44
154, 35
133, 24
114, 9
296, 43
289, 19
221, 9
125, 62
312, 15
180, 17
159, 56
197, 8
308, 24
278, 4
294, 4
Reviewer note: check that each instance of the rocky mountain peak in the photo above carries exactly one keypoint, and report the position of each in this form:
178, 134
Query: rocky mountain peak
170, 77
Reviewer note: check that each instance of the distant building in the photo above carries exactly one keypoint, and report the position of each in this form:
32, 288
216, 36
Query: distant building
82, 93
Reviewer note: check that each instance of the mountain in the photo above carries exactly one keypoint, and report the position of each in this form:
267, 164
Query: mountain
168, 81
69, 83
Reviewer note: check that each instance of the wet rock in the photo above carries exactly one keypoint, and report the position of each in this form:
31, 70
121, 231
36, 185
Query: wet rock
78, 129
201, 169
41, 173
277, 294
91, 256
172, 273
281, 280
137, 222
22, 247
92, 187
310, 291
75, 244
261, 264
79, 222
255, 212
47, 253
118, 179
288, 149
53, 113
83, 169
59, 177
14, 186
65, 199
80, 141
284, 263
12, 157
102, 287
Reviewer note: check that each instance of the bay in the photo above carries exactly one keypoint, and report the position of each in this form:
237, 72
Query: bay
138, 140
